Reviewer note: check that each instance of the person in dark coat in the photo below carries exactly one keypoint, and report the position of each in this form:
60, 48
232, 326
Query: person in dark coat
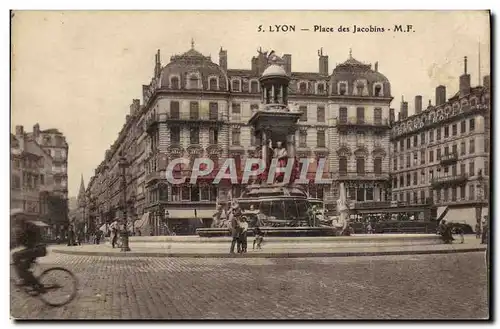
235, 229
114, 234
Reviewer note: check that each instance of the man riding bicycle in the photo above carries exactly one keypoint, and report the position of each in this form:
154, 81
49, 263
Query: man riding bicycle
28, 235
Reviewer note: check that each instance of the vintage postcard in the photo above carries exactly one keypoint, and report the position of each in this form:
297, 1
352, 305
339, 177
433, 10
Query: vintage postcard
277, 165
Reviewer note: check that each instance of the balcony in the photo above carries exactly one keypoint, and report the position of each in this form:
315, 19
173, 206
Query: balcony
154, 176
369, 176
354, 122
152, 120
448, 159
450, 180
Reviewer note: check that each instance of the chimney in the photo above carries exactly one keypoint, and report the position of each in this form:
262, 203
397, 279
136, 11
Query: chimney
440, 95
287, 58
486, 82
404, 109
323, 63
36, 130
418, 104
376, 66
255, 65
223, 59
465, 81
157, 64
430, 104
392, 116
399, 116
19, 131
134, 107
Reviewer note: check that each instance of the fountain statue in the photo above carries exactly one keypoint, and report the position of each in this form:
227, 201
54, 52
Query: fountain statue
343, 210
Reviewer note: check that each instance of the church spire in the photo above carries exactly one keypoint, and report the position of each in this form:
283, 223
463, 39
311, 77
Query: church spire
81, 193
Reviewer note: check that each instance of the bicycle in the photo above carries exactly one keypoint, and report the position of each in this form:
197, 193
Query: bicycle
42, 290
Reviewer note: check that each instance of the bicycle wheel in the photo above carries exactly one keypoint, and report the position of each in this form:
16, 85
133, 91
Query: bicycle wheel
59, 286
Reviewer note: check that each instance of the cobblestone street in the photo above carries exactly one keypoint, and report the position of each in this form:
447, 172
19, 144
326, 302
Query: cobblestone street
452, 286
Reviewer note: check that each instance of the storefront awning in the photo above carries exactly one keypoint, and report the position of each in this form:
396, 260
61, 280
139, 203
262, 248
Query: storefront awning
181, 213
205, 213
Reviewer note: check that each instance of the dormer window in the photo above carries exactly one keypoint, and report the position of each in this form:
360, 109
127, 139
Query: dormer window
212, 84
321, 88
377, 91
174, 83
236, 85
359, 87
303, 87
193, 81
342, 89
254, 87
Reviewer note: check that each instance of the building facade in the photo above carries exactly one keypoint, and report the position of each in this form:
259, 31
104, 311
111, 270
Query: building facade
194, 107
35, 186
441, 154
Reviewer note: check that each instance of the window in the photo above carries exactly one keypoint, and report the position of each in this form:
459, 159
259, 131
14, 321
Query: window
360, 166
377, 116
236, 109
462, 127
303, 110
401, 162
213, 111
422, 138
431, 156
472, 148
446, 150
360, 194
195, 193
174, 110
462, 148
415, 178
422, 196
194, 136
254, 87
408, 143
343, 115
16, 181
454, 130
422, 177
303, 139
431, 136
471, 169
321, 138
342, 89
236, 85
438, 154
213, 136
42, 180
395, 183
408, 161
360, 115
402, 145
175, 135
422, 156
486, 145
415, 141
471, 192
378, 90
446, 193
212, 84
415, 158
401, 181
462, 192
395, 163
193, 82
438, 134
174, 83
486, 167
408, 179
321, 88
454, 170
446, 131
377, 166
204, 193
303, 87
235, 134
454, 150
321, 114
360, 138
194, 110
438, 195
342, 166
369, 194
472, 125
359, 87
462, 169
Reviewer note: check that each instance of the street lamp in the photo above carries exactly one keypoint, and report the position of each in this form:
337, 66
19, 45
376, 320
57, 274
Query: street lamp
124, 234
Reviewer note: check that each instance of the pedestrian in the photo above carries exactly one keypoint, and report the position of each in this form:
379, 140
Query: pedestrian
258, 237
243, 234
369, 228
478, 231
114, 236
484, 233
71, 236
235, 228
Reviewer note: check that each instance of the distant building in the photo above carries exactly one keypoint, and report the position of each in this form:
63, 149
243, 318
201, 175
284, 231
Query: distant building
441, 154
33, 181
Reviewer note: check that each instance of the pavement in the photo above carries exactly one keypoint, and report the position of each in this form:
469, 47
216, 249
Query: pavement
452, 286
285, 249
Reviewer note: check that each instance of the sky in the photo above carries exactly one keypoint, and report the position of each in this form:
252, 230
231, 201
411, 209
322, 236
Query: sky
79, 71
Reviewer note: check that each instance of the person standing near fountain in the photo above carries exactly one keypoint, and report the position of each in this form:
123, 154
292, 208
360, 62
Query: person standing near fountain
281, 155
